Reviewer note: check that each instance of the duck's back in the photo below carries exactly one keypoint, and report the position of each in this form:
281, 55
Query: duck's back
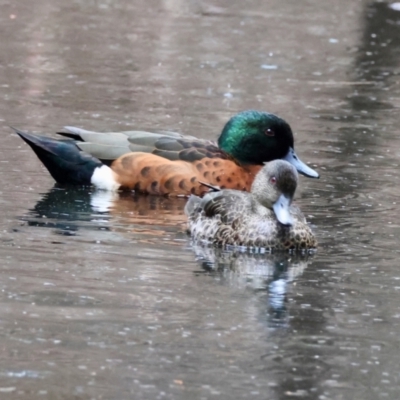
107, 147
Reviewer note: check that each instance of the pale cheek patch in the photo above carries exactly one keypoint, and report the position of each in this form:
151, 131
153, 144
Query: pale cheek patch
103, 178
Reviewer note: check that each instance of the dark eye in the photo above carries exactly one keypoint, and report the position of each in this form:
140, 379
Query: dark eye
273, 180
269, 132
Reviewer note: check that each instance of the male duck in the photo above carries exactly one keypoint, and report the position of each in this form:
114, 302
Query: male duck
263, 218
169, 163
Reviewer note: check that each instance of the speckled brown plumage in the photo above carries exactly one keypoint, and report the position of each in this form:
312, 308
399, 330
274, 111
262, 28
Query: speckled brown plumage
149, 173
230, 217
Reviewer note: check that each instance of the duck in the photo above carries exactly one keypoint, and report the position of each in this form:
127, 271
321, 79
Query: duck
263, 218
168, 163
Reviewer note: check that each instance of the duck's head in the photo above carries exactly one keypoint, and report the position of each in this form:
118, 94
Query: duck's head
255, 137
274, 187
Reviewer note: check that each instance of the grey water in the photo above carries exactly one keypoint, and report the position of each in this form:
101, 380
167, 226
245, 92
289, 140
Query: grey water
103, 296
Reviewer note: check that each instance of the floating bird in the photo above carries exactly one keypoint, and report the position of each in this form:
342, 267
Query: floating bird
263, 218
168, 163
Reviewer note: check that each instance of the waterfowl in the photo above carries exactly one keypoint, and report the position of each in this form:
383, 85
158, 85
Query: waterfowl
168, 163
263, 218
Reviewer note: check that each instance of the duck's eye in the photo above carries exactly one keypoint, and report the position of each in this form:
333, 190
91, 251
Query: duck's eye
269, 132
273, 180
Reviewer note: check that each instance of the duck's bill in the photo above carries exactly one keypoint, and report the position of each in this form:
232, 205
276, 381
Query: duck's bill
282, 210
302, 168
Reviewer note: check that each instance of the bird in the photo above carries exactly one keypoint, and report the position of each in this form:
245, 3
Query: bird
263, 218
168, 163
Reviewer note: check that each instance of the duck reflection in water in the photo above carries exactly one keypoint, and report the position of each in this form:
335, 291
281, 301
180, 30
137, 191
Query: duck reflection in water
69, 209
269, 275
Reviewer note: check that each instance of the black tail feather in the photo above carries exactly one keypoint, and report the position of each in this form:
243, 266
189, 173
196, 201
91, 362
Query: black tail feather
66, 163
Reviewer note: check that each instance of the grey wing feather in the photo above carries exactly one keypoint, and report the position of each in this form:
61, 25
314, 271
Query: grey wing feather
109, 146
226, 203
105, 152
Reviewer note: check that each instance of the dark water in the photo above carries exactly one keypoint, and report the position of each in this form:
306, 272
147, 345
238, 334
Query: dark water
104, 297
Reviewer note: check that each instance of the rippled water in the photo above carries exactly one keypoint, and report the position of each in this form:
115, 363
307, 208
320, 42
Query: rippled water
105, 297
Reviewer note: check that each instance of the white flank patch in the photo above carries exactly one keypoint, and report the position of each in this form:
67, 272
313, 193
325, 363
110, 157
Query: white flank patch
103, 178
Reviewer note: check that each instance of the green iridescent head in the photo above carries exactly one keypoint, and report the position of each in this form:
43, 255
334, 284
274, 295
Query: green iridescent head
256, 137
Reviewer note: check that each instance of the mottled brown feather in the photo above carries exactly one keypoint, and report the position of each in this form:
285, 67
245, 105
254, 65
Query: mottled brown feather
140, 171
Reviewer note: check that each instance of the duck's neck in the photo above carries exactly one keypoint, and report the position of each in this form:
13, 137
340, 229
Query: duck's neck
258, 209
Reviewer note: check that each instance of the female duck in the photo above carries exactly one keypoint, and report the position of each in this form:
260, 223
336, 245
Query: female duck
169, 163
263, 218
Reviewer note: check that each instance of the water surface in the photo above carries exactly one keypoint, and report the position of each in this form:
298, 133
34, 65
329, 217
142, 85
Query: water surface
105, 297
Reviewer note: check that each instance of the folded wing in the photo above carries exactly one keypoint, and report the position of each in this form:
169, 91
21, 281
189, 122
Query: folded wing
170, 145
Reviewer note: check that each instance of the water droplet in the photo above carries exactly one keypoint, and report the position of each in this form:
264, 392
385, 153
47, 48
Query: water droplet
269, 66
395, 6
